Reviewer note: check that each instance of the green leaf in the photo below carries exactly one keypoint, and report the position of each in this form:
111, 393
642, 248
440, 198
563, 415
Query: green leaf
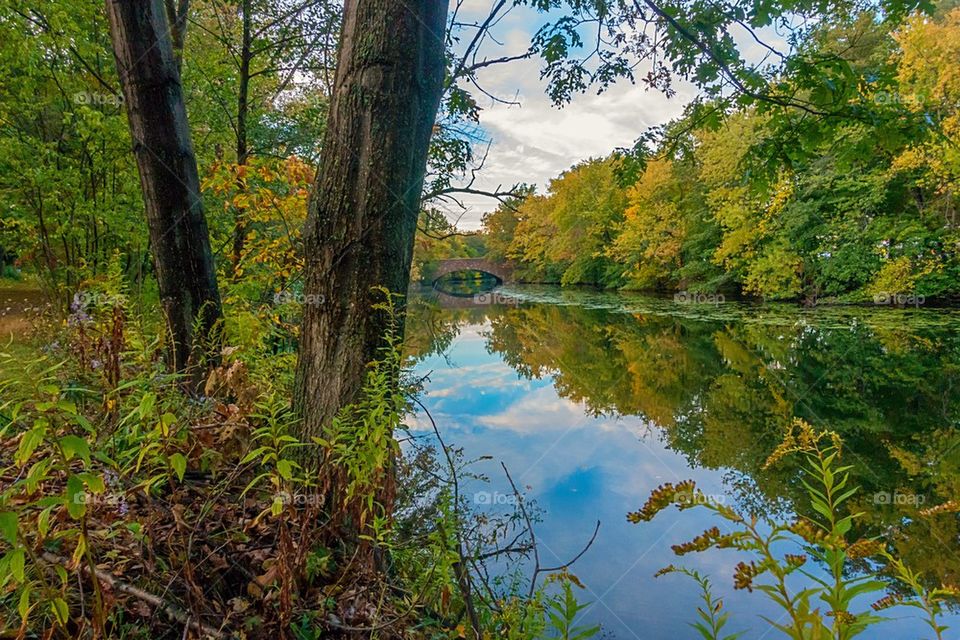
23, 608
179, 464
60, 610
147, 403
285, 469
17, 558
93, 481
75, 445
29, 442
8, 526
76, 497
37, 474
43, 522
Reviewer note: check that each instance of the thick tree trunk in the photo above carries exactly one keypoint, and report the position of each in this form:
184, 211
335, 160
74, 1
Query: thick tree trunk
168, 178
363, 214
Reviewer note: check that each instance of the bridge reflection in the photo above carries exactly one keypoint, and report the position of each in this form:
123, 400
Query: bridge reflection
479, 299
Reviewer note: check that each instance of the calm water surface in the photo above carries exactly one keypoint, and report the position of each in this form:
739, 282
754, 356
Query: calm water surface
593, 399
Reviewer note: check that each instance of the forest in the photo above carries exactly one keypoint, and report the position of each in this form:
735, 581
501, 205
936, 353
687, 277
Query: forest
216, 218
769, 205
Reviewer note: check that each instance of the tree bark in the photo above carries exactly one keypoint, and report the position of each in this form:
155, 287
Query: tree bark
363, 212
150, 79
243, 108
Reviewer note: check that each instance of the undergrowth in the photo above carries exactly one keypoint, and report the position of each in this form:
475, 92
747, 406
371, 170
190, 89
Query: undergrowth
131, 510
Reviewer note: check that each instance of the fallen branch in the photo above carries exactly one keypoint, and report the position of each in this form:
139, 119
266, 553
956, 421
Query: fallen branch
172, 611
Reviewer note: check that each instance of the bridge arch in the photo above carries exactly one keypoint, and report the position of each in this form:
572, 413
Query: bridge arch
499, 270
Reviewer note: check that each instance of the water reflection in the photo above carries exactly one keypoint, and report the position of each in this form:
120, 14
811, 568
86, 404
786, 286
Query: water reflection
465, 284
595, 399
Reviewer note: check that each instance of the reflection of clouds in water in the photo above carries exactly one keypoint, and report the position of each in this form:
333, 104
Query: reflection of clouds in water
536, 412
485, 408
464, 379
580, 468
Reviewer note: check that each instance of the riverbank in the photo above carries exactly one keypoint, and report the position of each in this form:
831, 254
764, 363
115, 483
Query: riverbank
19, 299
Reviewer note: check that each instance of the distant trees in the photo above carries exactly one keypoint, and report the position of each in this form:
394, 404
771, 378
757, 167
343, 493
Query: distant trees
771, 203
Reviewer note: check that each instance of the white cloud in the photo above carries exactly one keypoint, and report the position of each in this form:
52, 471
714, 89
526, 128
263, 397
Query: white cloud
538, 412
535, 141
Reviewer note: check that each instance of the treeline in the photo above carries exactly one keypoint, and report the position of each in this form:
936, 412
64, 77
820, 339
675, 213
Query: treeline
768, 203
255, 88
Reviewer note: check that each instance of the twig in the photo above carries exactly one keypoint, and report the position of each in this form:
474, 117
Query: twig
460, 566
172, 611
537, 569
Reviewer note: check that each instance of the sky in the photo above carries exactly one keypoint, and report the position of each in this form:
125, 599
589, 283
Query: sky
535, 141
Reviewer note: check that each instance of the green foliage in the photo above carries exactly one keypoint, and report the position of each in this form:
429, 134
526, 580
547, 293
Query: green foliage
360, 444
562, 611
712, 616
829, 607
67, 178
563, 236
768, 201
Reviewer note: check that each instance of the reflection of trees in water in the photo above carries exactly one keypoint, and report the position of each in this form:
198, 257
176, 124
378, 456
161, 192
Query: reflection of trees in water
721, 392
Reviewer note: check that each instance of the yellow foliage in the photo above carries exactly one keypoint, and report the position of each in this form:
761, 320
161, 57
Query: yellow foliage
652, 234
928, 70
271, 195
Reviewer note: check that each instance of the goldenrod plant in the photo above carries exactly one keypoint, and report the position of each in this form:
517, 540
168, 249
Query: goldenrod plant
831, 603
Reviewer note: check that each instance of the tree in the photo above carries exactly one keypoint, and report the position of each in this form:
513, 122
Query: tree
362, 219
150, 79
563, 235
654, 230
67, 182
250, 66
500, 225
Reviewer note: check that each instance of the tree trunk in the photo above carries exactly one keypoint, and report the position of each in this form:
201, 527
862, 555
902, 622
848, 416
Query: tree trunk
363, 213
168, 178
243, 108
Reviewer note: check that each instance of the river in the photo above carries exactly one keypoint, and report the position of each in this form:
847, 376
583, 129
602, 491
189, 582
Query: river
594, 399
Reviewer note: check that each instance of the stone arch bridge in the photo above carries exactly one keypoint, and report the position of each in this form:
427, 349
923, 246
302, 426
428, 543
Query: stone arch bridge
500, 271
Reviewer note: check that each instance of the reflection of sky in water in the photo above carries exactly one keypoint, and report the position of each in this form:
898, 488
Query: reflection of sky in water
582, 468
